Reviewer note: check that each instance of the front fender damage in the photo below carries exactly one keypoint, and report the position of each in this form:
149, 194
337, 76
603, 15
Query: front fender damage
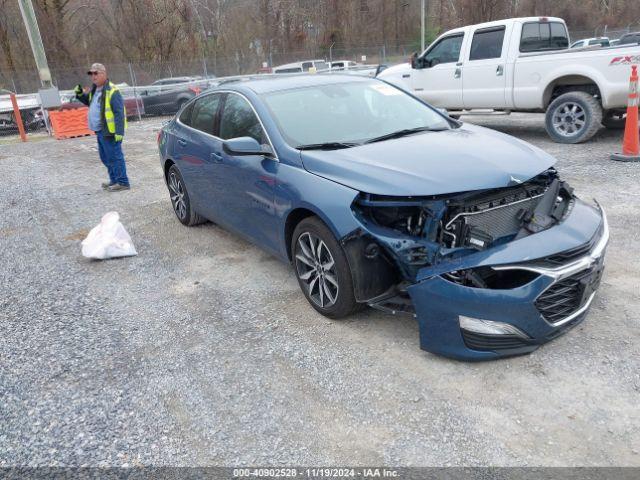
412, 252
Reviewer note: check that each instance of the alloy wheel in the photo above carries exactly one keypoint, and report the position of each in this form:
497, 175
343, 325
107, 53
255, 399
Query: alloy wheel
569, 119
176, 190
316, 268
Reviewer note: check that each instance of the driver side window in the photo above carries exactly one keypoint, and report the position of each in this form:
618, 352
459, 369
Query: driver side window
446, 50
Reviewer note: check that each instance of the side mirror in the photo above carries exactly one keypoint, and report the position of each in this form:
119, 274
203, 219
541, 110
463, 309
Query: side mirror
380, 68
244, 146
414, 60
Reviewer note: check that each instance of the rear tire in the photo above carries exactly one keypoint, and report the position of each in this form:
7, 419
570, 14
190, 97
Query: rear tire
180, 199
322, 269
573, 117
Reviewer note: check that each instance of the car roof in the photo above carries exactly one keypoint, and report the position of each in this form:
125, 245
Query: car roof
497, 23
274, 83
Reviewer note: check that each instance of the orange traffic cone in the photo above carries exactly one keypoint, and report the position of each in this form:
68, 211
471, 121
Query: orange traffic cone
631, 142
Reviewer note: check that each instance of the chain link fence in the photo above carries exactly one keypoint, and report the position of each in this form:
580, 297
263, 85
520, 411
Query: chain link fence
160, 88
610, 33
153, 89
30, 115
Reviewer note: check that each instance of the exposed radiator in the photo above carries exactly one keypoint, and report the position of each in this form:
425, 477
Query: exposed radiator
498, 221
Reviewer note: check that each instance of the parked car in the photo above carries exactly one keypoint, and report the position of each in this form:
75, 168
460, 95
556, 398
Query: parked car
31, 120
134, 106
630, 38
353, 68
167, 95
343, 64
303, 66
590, 42
377, 198
523, 64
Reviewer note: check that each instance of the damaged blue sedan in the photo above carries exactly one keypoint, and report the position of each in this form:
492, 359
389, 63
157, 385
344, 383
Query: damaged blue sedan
377, 199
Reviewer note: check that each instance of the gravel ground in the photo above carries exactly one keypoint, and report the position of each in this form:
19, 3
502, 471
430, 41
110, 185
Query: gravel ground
174, 358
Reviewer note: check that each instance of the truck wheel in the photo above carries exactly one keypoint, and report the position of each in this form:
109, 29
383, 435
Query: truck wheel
573, 117
614, 120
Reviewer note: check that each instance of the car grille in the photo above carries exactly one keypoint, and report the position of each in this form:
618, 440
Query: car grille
566, 296
477, 341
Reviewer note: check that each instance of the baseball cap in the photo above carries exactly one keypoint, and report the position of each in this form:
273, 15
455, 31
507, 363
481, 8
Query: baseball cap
96, 67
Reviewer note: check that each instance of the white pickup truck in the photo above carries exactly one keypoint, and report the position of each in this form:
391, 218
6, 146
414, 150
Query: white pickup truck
523, 65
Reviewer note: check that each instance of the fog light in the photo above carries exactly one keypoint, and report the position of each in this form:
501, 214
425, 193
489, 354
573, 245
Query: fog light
489, 327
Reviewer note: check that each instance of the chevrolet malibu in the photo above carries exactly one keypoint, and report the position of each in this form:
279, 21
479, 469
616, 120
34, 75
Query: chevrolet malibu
377, 199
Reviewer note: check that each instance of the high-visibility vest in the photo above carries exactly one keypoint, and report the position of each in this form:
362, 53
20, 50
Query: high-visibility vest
108, 113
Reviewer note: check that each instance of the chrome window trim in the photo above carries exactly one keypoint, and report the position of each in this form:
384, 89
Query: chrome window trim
275, 154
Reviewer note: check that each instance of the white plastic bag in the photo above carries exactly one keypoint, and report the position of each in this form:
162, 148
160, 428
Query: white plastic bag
108, 239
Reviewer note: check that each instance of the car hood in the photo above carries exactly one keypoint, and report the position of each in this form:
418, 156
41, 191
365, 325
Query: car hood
394, 70
431, 163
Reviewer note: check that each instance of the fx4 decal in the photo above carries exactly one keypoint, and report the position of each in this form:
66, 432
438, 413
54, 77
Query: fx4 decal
626, 60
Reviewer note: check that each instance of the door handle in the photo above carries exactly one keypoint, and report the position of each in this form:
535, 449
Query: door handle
216, 157
457, 73
182, 143
499, 71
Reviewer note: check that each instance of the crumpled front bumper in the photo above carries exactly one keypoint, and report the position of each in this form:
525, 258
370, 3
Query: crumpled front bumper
439, 302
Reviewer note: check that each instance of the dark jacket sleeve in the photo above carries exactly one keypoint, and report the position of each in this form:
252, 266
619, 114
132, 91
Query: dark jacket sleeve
117, 107
84, 98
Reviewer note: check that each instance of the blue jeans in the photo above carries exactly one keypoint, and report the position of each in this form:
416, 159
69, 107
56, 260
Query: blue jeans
113, 158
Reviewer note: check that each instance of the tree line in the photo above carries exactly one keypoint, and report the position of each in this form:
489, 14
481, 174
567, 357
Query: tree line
244, 33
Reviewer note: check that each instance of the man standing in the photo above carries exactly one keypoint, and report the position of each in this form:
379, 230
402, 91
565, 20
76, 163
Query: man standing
108, 118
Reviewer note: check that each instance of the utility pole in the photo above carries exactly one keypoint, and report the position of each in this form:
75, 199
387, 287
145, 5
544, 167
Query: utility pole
31, 24
422, 21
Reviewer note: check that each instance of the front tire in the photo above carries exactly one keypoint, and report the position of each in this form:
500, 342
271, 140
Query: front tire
180, 199
322, 269
573, 117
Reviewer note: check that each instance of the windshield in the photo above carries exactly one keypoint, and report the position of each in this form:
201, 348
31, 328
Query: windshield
348, 113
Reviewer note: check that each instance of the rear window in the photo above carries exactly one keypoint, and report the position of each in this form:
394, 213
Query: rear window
204, 113
185, 116
487, 44
540, 36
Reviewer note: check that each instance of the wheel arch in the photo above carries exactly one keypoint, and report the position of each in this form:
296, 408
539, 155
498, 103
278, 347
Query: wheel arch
295, 216
569, 83
165, 169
